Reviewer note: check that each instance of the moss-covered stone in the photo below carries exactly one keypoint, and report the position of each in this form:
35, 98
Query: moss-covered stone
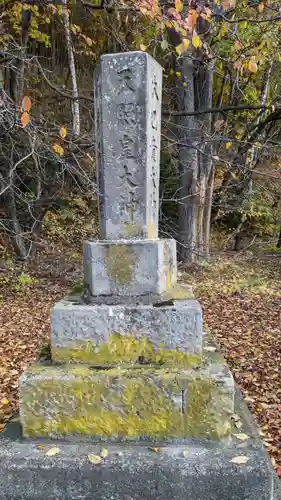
120, 261
117, 403
123, 350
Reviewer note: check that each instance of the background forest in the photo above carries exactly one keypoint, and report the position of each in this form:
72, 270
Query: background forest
220, 161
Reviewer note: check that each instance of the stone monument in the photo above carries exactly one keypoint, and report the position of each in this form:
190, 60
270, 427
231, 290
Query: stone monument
131, 369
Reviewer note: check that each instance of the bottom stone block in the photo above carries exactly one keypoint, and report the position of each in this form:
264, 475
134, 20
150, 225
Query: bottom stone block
189, 470
129, 404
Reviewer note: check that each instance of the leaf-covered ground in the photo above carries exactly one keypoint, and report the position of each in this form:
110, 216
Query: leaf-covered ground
240, 301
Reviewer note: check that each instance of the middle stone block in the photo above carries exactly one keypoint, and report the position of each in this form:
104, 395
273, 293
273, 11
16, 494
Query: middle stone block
129, 267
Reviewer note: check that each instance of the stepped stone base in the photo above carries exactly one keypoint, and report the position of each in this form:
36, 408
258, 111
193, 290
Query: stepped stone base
186, 470
165, 332
129, 267
130, 404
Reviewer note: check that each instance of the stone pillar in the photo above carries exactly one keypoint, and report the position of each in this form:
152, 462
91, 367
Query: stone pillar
130, 260
127, 90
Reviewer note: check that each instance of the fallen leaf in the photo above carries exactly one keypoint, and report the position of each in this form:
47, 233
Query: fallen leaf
155, 449
241, 436
278, 471
104, 453
210, 348
240, 459
228, 145
94, 459
185, 453
52, 452
4, 401
143, 47
261, 7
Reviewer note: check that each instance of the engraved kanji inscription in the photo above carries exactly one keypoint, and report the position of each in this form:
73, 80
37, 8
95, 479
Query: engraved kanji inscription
127, 114
126, 80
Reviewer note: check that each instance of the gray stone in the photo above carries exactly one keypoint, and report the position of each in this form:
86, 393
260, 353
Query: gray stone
185, 470
82, 326
128, 88
136, 267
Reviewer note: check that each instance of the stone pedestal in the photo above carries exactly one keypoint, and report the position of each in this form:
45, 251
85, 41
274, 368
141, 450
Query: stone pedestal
130, 267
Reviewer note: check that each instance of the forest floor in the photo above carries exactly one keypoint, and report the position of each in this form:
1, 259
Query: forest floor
239, 296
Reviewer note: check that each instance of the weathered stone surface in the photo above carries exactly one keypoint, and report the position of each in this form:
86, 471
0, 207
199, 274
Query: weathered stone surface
128, 88
177, 292
119, 403
131, 267
101, 335
192, 469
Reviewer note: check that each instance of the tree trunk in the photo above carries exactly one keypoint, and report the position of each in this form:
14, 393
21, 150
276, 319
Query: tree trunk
72, 69
188, 165
279, 240
203, 98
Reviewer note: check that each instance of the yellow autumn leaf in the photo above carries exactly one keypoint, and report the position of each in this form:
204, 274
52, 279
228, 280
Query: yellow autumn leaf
182, 47
94, 459
52, 452
261, 7
63, 132
241, 459
253, 67
185, 453
178, 73
228, 145
4, 401
155, 449
196, 42
104, 453
58, 149
88, 41
241, 436
178, 5
143, 47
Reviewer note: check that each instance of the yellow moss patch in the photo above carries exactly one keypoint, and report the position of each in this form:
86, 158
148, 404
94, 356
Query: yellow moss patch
123, 349
121, 403
151, 230
178, 292
120, 261
131, 229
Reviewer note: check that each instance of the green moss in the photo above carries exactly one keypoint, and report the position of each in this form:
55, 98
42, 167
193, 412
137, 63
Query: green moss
121, 403
120, 263
45, 352
123, 349
78, 288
